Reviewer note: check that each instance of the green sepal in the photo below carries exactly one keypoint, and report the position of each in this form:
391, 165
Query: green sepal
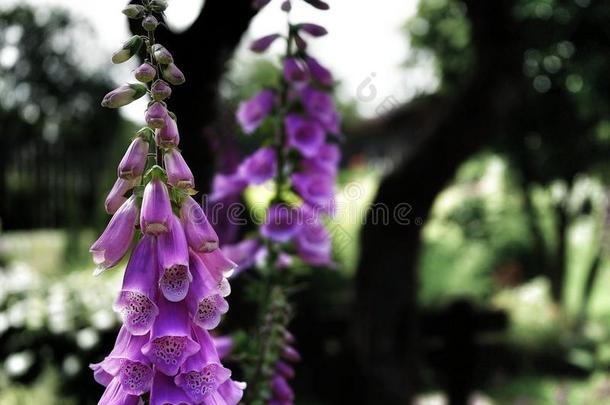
134, 11
146, 133
139, 89
158, 5
138, 191
155, 172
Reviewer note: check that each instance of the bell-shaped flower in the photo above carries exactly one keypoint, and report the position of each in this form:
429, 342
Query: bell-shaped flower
166, 392
133, 162
252, 112
314, 244
168, 136
205, 303
114, 242
326, 161
304, 135
174, 262
136, 301
170, 340
200, 234
145, 72
115, 394
318, 72
127, 364
156, 115
218, 265
116, 196
281, 389
321, 106
178, 172
295, 71
227, 185
124, 95
172, 74
259, 167
243, 253
316, 190
280, 223
156, 214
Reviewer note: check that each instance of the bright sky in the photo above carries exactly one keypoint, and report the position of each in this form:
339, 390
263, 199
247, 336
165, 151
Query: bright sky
366, 48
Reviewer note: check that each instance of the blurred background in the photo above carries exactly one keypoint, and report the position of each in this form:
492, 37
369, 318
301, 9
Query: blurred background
480, 128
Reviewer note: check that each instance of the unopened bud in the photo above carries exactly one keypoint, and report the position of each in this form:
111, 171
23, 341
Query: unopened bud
145, 72
160, 90
172, 74
162, 55
124, 95
134, 11
158, 5
130, 48
156, 115
150, 23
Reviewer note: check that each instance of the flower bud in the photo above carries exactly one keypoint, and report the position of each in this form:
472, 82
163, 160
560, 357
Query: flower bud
314, 30
319, 4
162, 55
123, 95
199, 233
261, 44
134, 11
156, 115
286, 6
160, 90
172, 74
168, 136
116, 196
130, 48
150, 23
156, 214
294, 71
133, 162
178, 173
145, 72
158, 5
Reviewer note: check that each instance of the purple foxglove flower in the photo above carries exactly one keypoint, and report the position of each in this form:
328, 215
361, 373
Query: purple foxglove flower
314, 245
226, 186
205, 305
172, 74
156, 115
136, 301
224, 345
200, 235
217, 264
123, 95
289, 337
284, 369
127, 364
281, 223
162, 55
116, 196
145, 72
156, 214
242, 253
259, 167
174, 261
291, 354
133, 162
262, 44
316, 190
160, 90
294, 71
314, 30
251, 113
258, 4
114, 242
232, 391
281, 389
178, 173
116, 395
165, 392
286, 6
168, 136
318, 72
304, 135
170, 340
321, 106
319, 4
326, 161
130, 47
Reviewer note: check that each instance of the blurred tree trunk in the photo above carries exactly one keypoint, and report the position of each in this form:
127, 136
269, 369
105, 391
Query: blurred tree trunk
202, 52
386, 285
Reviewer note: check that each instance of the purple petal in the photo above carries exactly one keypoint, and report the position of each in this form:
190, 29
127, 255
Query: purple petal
317, 190
116, 196
284, 369
168, 136
227, 185
116, 395
199, 232
205, 304
318, 72
314, 30
156, 115
218, 264
251, 113
133, 162
165, 392
281, 389
174, 261
294, 71
224, 345
156, 214
281, 223
114, 242
259, 167
314, 245
304, 135
178, 172
261, 44
242, 253
322, 107
231, 391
